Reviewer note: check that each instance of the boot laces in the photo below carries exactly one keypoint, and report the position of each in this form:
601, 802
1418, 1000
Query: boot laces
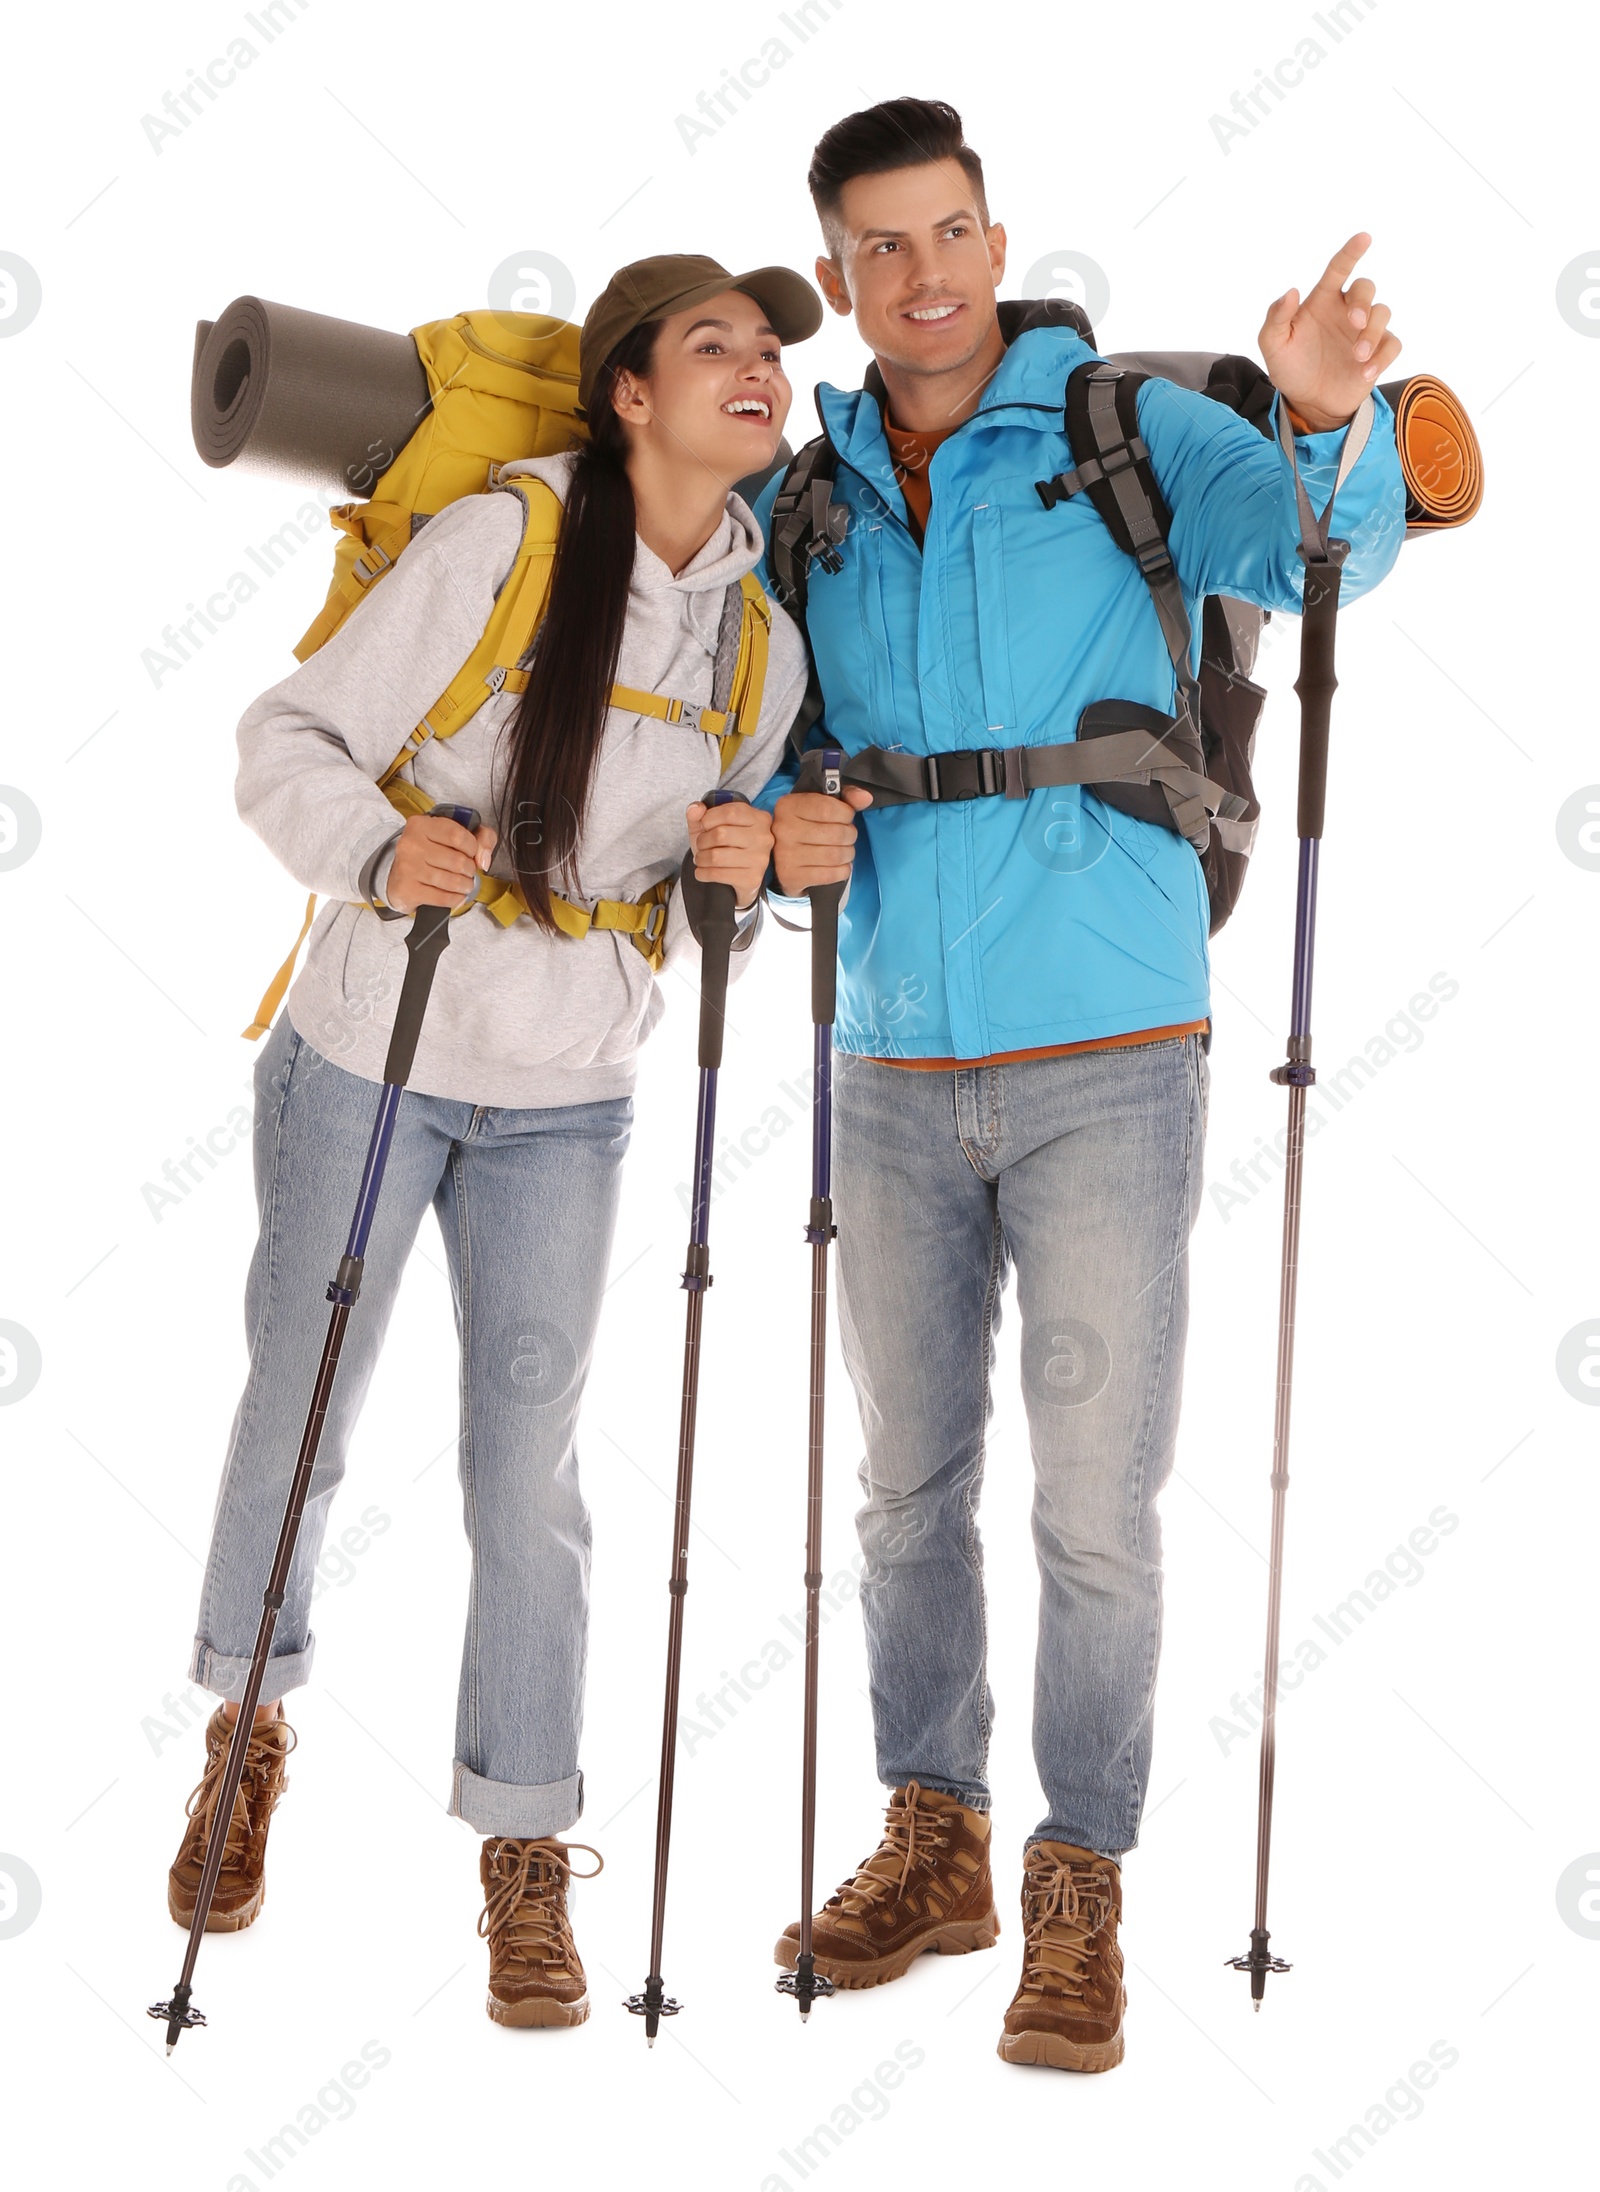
524, 1918
1069, 1904
911, 1837
260, 1786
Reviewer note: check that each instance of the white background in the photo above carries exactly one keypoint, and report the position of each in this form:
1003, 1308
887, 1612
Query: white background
1436, 1772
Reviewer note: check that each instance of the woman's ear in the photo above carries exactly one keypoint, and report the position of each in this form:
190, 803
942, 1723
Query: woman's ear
628, 400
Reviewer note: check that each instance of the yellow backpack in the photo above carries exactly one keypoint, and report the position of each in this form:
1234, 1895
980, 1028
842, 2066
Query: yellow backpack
504, 389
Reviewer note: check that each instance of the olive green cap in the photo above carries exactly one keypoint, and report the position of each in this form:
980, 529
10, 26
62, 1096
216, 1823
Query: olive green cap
649, 289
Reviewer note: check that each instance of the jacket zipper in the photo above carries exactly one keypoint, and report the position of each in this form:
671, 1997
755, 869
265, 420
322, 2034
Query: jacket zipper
866, 482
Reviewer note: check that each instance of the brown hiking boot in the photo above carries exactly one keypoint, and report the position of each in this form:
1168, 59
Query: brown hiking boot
241, 1884
535, 1977
1067, 2013
926, 1886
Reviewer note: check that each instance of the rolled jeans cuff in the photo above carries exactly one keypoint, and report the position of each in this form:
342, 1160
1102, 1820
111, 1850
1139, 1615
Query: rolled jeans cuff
226, 1675
501, 1807
975, 1800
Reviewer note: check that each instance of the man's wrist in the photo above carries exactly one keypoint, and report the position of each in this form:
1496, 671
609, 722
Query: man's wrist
1312, 422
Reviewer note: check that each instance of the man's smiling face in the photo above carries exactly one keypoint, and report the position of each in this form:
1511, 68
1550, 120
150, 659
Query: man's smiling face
918, 263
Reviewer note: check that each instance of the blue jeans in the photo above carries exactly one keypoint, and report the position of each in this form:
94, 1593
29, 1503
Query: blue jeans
1084, 1173
526, 1202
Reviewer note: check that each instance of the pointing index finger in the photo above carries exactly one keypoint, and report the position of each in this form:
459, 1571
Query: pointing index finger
1344, 262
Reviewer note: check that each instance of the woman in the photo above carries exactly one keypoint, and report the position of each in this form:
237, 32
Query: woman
518, 1109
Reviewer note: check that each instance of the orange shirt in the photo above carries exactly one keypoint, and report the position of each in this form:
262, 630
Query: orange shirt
1050, 1050
913, 453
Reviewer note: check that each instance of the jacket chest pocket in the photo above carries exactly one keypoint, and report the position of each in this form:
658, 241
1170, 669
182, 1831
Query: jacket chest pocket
888, 657
992, 626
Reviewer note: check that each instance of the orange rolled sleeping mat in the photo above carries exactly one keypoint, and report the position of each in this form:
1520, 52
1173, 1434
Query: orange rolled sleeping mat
1439, 454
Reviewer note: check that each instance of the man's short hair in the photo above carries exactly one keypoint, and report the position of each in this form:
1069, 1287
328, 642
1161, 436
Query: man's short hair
896, 133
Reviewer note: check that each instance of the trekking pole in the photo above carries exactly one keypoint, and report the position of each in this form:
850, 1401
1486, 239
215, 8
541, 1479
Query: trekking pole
712, 916
805, 1982
425, 942
1324, 562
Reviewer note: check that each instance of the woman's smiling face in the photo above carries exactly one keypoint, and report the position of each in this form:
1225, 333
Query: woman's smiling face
716, 392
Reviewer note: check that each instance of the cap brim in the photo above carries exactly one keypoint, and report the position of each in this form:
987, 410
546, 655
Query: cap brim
787, 298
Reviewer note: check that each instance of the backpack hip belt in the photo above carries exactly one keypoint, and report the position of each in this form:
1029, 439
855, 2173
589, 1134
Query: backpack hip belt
643, 918
1120, 743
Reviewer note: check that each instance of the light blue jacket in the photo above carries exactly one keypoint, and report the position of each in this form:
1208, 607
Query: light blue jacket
995, 924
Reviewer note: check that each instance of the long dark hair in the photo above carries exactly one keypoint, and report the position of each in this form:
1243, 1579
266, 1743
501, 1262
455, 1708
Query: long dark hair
553, 739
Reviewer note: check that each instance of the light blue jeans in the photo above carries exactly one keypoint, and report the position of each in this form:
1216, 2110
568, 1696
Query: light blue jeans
526, 1202
1084, 1174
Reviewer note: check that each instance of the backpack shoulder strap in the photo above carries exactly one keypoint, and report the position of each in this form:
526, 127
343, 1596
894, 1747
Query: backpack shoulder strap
497, 662
1112, 467
805, 523
742, 701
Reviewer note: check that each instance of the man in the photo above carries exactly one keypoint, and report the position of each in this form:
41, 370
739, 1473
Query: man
1023, 1021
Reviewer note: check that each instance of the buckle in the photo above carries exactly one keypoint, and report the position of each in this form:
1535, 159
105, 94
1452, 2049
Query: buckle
695, 717
509, 468
966, 774
655, 920
1153, 558
365, 577
1052, 491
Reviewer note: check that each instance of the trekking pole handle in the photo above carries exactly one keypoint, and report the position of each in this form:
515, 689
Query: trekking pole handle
826, 899
1317, 682
425, 942
712, 916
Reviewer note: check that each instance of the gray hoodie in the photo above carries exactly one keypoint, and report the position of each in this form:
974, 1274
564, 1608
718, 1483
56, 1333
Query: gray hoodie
518, 1017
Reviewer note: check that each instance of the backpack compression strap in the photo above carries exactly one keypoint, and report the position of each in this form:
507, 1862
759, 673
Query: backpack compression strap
377, 532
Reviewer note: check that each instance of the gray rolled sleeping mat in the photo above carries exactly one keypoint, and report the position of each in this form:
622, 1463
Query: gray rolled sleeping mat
324, 401
329, 402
